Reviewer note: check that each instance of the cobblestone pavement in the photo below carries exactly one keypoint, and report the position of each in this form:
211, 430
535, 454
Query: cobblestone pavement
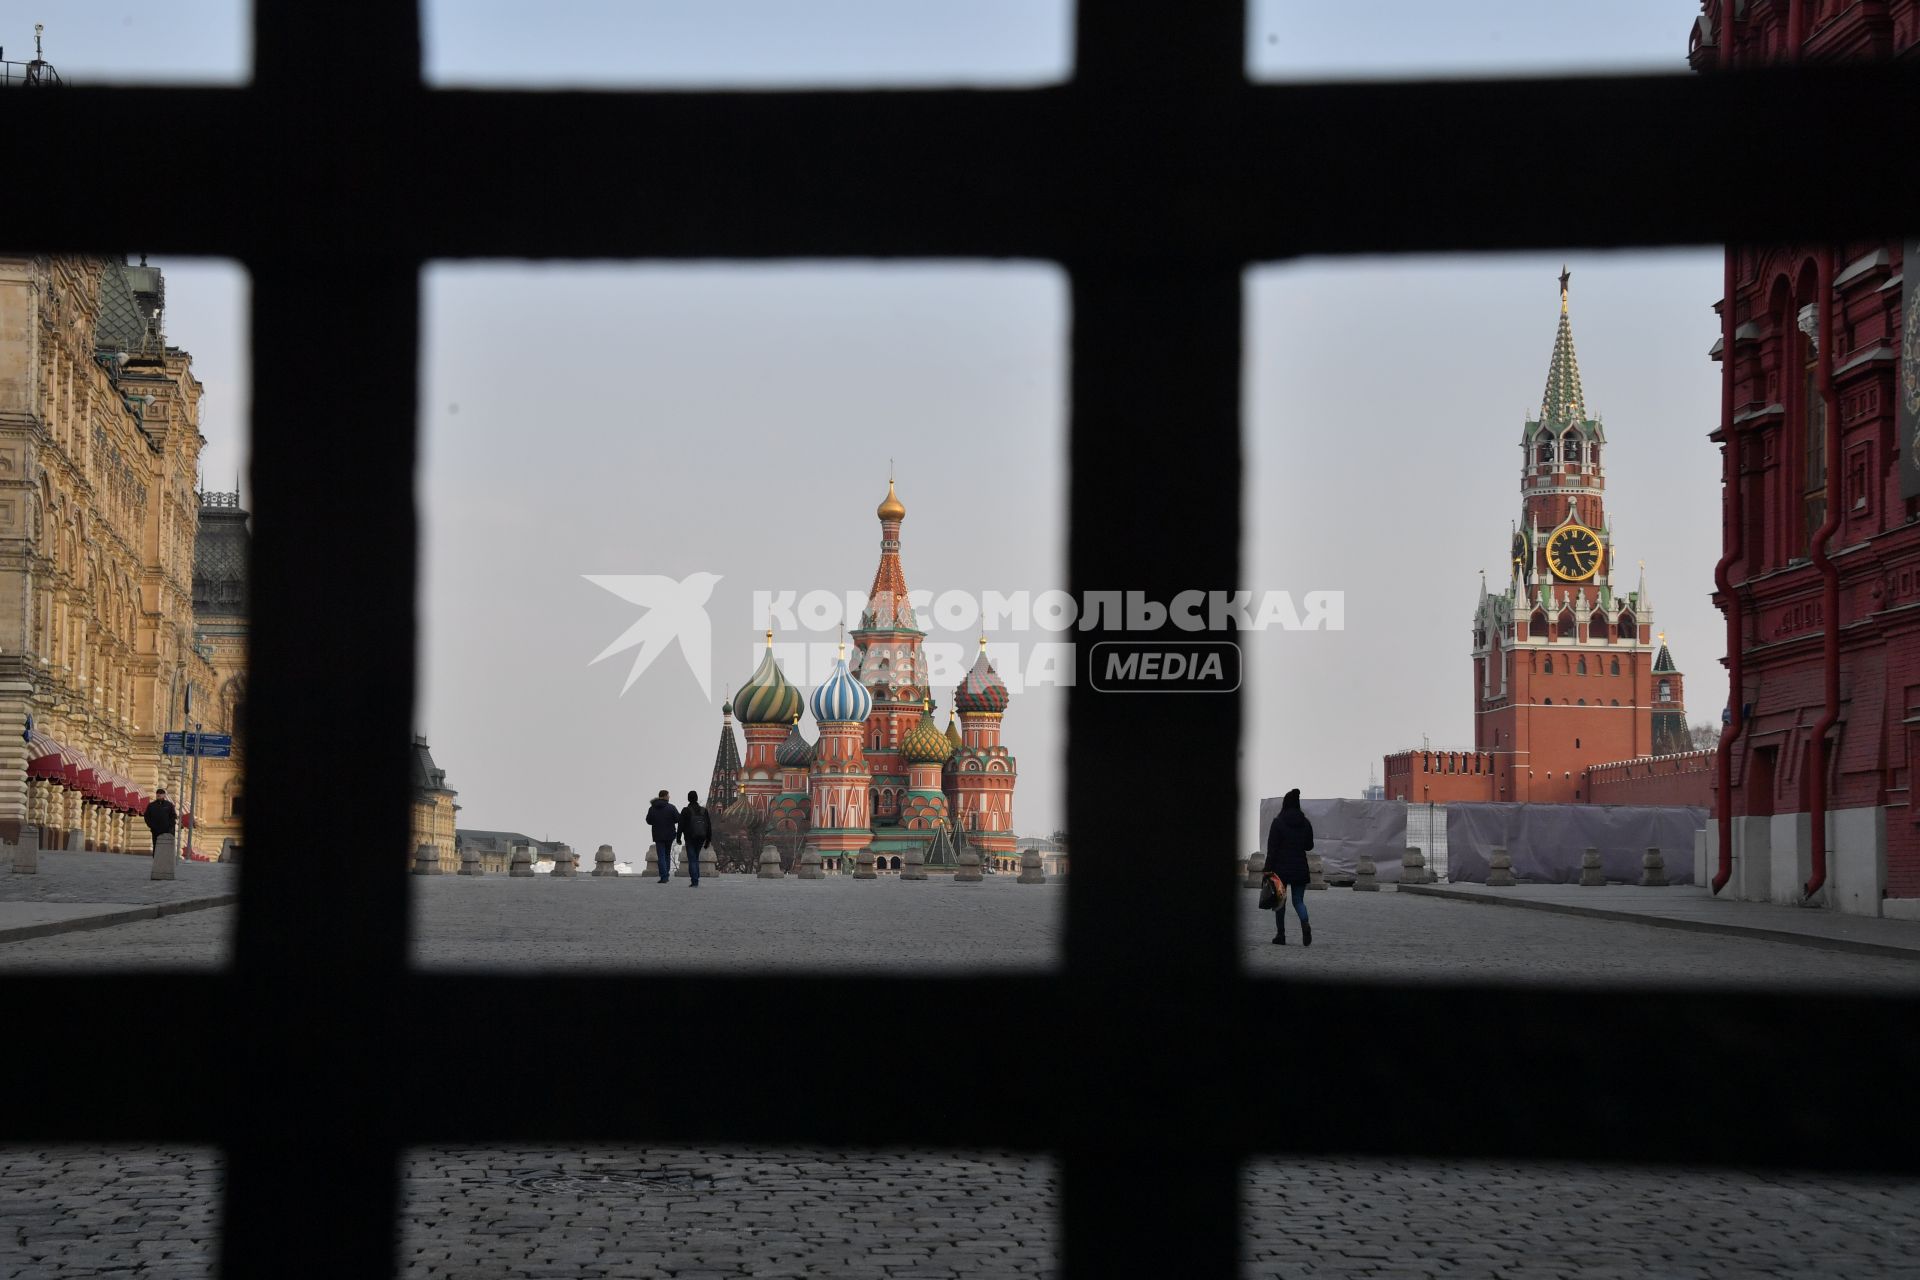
114, 877
706, 1214
606, 1212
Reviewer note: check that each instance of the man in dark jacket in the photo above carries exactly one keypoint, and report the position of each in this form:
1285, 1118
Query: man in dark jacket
160, 815
696, 828
1288, 840
664, 821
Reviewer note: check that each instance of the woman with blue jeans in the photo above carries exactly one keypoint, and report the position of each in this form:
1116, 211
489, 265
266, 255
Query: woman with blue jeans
1288, 840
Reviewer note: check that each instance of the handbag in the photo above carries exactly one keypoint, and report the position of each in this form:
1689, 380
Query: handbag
1269, 896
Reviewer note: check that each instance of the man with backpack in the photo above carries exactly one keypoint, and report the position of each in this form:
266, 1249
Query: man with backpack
696, 829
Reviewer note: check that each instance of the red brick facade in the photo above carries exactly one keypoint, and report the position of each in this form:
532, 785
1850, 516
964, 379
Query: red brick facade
1788, 302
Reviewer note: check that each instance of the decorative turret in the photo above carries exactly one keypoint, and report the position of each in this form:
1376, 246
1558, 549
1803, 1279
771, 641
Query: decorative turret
889, 661
980, 775
767, 705
725, 784
789, 812
840, 777
925, 750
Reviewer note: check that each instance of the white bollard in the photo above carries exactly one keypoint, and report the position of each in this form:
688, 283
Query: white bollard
163, 857
1653, 869
1365, 875
603, 861
1030, 872
1591, 876
522, 864
770, 864
863, 865
810, 868
426, 860
470, 864
1499, 868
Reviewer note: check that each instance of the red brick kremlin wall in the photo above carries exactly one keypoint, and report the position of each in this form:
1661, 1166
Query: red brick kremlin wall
1654, 780
1440, 777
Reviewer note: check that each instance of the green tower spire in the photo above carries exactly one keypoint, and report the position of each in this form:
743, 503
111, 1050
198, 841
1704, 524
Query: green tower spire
1562, 403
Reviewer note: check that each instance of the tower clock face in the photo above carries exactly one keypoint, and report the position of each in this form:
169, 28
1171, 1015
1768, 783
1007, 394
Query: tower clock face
1519, 550
1574, 553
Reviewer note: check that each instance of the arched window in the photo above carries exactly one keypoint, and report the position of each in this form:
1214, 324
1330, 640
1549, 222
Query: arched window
1570, 447
1581, 668
895, 862
1548, 668
1616, 668
1583, 702
1547, 702
1666, 691
1629, 629
1537, 625
1567, 629
1597, 627
1614, 703
1546, 449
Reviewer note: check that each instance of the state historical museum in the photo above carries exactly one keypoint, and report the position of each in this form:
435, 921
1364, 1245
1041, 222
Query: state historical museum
1819, 576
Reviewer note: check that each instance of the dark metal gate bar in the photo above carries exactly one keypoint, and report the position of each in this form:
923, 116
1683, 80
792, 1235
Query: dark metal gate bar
1155, 177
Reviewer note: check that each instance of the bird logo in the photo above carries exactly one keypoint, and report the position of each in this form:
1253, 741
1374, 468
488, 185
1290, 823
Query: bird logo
674, 610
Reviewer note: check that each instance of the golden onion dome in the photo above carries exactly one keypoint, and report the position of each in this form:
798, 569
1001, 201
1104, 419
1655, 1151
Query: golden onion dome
925, 744
892, 508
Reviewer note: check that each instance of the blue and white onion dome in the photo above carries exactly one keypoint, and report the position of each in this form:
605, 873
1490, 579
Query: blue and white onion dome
841, 697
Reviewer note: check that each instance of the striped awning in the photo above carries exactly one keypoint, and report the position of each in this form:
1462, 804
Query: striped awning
50, 760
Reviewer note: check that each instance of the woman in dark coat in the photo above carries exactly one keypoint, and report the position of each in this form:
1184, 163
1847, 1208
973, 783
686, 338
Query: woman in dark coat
1288, 840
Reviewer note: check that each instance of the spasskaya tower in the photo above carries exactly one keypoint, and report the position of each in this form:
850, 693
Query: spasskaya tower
1564, 659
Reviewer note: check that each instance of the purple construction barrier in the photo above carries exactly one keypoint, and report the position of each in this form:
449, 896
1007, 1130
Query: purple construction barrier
1345, 829
1546, 841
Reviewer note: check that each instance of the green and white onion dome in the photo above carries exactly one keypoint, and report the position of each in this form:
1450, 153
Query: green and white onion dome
795, 752
841, 698
767, 697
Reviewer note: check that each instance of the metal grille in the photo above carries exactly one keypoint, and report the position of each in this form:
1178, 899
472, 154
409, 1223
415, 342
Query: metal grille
1154, 177
1427, 830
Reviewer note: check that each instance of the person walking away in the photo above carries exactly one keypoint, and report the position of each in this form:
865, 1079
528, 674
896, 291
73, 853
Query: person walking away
696, 829
160, 816
1288, 840
664, 822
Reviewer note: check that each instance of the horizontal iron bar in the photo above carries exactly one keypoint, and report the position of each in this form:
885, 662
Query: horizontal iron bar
1545, 1073
1073, 173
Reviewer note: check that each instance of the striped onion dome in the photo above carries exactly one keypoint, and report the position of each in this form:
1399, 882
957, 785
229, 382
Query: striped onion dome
982, 689
842, 698
796, 752
766, 697
925, 744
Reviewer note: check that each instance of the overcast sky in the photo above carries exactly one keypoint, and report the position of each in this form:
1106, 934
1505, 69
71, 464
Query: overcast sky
740, 421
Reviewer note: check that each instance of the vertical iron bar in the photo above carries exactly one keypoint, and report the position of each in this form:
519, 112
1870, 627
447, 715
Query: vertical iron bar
1155, 509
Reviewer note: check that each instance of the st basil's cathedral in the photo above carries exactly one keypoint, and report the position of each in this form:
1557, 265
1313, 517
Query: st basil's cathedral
880, 774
